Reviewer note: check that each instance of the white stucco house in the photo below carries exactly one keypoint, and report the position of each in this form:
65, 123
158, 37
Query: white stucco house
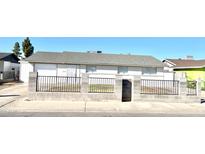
93, 63
9, 66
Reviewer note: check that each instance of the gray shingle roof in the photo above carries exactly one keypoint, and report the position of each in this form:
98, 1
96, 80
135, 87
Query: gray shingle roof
187, 63
11, 57
94, 59
3, 55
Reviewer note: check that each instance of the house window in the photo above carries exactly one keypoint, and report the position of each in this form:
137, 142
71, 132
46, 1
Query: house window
122, 69
149, 70
90, 69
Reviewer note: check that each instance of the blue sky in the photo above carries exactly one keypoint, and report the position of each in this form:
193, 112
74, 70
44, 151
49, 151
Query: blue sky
158, 47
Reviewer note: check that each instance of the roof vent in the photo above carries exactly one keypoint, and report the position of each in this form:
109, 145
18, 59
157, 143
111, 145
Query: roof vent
189, 57
94, 51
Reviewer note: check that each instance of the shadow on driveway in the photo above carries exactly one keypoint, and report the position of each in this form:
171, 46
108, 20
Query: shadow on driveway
8, 95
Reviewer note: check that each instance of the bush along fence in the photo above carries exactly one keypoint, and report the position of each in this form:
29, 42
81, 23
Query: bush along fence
87, 88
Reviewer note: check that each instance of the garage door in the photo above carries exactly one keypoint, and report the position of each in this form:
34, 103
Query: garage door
72, 70
62, 70
67, 70
46, 69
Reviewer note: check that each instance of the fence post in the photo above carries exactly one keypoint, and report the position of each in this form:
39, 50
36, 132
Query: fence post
85, 83
183, 87
1, 76
32, 81
136, 88
118, 87
198, 87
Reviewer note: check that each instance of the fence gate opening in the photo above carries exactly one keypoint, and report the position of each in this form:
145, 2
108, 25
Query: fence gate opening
126, 90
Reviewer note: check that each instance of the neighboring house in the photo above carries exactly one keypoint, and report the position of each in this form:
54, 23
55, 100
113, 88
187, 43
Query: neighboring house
9, 66
105, 65
189, 68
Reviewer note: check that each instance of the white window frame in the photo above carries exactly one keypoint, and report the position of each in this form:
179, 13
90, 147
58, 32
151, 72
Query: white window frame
90, 66
146, 70
121, 71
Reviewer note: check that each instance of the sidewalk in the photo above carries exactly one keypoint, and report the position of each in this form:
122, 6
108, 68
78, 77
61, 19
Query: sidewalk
104, 107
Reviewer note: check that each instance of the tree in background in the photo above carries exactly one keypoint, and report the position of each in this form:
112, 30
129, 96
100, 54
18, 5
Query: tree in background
27, 47
17, 49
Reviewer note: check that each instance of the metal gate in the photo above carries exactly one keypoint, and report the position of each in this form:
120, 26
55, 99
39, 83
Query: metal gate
126, 90
191, 87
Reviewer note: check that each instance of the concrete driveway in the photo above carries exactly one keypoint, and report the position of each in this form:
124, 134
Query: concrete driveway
12, 93
13, 102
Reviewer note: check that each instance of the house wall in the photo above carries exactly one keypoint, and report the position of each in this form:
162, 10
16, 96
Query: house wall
188, 73
168, 66
57, 69
106, 69
25, 68
68, 70
101, 71
46, 69
193, 74
1, 66
9, 71
158, 76
135, 71
8, 66
169, 76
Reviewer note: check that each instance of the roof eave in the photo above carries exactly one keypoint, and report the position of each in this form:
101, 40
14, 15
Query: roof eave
188, 67
169, 62
103, 64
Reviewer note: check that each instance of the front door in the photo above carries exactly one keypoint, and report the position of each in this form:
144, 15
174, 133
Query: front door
126, 90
